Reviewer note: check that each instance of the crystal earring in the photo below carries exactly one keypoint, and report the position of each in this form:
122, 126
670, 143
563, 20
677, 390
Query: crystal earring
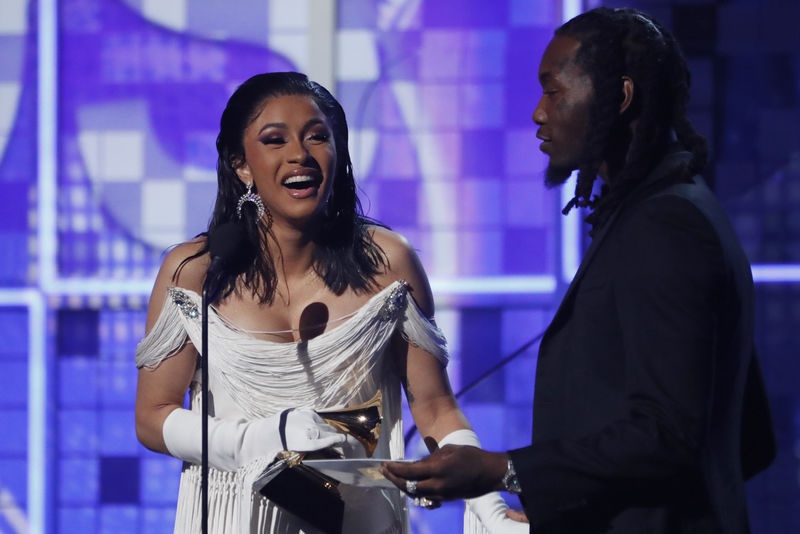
249, 196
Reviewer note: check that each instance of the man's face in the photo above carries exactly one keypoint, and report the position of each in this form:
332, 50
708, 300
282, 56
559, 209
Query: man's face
563, 111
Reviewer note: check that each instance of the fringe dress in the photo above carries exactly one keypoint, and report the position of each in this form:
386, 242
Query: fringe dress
253, 378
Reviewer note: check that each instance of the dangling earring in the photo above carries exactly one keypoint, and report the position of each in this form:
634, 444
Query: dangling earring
249, 196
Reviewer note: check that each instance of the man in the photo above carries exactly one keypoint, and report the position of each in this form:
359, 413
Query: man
649, 410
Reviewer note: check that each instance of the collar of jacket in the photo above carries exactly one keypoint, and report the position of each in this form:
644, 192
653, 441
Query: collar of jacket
662, 176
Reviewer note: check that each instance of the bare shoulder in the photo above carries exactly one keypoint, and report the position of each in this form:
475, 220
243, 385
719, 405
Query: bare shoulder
178, 270
403, 263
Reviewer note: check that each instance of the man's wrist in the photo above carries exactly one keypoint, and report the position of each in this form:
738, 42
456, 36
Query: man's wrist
510, 480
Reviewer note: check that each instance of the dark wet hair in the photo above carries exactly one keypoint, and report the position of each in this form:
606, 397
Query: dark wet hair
626, 42
345, 255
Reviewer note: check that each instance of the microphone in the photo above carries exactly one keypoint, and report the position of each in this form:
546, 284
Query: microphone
224, 243
224, 246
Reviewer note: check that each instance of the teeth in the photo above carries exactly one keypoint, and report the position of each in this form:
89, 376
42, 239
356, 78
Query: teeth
298, 179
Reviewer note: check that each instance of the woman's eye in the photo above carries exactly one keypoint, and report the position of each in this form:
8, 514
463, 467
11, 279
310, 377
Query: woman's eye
319, 137
272, 140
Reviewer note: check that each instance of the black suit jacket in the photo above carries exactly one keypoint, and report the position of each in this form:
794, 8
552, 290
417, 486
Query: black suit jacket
648, 393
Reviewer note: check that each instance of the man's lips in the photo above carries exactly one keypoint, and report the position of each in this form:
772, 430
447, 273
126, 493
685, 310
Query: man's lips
543, 148
545, 141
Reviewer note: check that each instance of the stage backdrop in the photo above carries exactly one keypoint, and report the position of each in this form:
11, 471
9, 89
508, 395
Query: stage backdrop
108, 114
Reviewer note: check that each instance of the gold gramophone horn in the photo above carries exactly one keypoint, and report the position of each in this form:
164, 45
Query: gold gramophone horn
363, 422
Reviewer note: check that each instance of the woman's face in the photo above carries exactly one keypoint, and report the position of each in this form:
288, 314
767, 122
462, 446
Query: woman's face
290, 157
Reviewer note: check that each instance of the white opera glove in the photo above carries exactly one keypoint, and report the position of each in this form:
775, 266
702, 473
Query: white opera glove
233, 443
489, 508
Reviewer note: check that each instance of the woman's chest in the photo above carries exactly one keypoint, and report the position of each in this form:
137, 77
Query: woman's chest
293, 317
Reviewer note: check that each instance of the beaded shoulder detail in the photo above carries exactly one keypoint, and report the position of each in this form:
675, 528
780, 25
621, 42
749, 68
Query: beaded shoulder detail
394, 304
184, 302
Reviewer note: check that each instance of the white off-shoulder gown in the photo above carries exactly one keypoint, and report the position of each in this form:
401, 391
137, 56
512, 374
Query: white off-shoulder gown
252, 378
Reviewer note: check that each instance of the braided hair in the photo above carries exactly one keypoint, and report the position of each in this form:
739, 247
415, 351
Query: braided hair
626, 42
345, 255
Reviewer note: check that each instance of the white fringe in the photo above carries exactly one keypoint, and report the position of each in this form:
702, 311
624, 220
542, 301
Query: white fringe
472, 525
164, 339
342, 366
263, 377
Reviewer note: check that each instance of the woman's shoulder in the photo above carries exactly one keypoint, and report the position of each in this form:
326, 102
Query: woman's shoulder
400, 255
392, 243
403, 263
180, 269
183, 268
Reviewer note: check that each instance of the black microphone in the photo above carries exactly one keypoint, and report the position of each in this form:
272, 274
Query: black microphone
224, 246
224, 243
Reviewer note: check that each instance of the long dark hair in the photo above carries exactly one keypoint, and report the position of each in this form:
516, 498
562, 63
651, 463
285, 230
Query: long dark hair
626, 42
345, 255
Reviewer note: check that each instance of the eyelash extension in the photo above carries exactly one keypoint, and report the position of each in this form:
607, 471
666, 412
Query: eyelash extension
280, 140
272, 140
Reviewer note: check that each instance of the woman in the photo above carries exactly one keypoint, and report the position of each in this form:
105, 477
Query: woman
323, 311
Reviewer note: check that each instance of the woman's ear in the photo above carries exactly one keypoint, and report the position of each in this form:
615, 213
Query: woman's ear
627, 94
243, 171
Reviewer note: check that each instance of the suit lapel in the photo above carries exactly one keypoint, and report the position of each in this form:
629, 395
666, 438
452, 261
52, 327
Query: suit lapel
664, 168
587, 259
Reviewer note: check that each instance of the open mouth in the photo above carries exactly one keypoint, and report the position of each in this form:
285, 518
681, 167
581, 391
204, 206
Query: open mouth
301, 182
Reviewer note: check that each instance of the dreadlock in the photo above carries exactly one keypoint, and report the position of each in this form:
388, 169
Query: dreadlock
626, 42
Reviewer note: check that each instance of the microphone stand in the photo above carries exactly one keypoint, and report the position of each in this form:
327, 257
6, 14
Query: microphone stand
223, 244
209, 292
204, 425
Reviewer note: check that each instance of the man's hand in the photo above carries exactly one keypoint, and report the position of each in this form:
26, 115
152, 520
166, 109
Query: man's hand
452, 472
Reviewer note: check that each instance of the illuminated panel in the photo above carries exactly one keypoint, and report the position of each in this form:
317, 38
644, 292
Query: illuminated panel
570, 232
570, 224
571, 8
36, 408
96, 287
763, 273
46, 133
499, 285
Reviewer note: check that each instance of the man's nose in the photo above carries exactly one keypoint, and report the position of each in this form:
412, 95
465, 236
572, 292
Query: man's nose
539, 116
